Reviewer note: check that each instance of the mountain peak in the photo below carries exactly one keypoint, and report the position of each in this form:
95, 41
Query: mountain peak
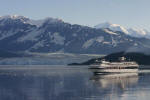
45, 20
13, 17
6, 18
30, 21
53, 19
134, 32
107, 25
113, 27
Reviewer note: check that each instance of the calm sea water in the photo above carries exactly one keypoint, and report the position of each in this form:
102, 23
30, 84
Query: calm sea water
70, 83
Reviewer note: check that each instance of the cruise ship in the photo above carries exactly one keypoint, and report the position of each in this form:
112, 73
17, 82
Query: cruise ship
114, 67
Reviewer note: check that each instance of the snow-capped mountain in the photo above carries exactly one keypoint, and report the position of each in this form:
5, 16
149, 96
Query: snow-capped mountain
26, 20
21, 34
23, 18
134, 32
139, 33
113, 27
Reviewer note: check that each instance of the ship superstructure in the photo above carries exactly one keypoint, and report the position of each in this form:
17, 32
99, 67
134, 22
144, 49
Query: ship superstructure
121, 66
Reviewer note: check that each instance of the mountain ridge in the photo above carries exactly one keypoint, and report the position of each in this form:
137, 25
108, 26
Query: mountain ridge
134, 32
55, 35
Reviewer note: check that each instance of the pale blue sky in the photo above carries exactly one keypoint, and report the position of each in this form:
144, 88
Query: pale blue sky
129, 13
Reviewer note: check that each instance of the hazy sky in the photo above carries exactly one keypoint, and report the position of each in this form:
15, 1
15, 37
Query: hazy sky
129, 13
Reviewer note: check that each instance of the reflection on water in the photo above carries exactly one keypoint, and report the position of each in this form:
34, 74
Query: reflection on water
122, 80
115, 84
71, 83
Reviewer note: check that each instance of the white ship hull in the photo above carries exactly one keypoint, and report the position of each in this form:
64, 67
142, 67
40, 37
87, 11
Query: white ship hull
114, 70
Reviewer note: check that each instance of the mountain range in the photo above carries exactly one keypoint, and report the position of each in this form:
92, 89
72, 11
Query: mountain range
134, 32
21, 34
